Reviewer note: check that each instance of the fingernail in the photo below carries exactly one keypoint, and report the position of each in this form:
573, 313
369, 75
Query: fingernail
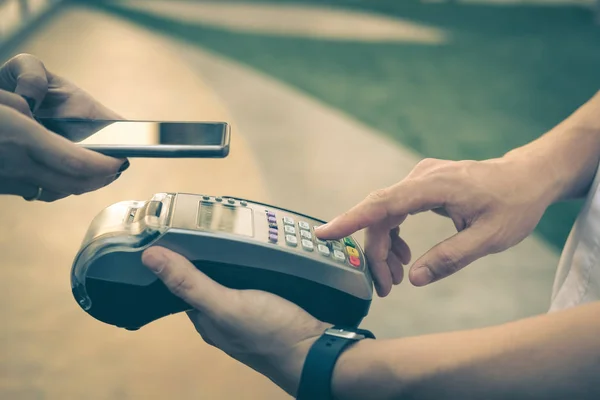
123, 167
155, 260
29, 101
422, 276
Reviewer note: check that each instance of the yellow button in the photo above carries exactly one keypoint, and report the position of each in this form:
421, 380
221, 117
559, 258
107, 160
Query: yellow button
352, 251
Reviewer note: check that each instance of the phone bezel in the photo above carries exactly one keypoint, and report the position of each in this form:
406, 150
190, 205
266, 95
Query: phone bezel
158, 150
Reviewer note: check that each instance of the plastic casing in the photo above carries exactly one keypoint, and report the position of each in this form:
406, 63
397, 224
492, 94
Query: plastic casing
109, 232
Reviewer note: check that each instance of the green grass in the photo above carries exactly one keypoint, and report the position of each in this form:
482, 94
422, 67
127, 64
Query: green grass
509, 74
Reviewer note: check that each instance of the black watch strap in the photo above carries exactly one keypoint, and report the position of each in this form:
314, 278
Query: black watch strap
315, 381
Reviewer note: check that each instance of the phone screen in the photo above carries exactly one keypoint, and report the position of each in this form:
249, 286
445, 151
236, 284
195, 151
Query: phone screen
146, 138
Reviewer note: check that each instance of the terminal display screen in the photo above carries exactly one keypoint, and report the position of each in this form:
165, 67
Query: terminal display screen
225, 218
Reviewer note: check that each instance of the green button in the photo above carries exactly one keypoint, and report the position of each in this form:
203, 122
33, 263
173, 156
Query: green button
349, 242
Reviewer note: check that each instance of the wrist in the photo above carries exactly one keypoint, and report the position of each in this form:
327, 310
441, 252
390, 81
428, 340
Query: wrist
287, 366
297, 359
541, 171
361, 371
321, 358
348, 369
567, 157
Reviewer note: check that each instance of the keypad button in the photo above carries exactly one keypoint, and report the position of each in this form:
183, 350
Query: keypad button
270, 214
290, 229
308, 245
243, 202
315, 235
288, 221
291, 240
218, 199
306, 234
336, 245
303, 225
338, 255
231, 201
349, 242
273, 231
355, 261
323, 249
205, 197
352, 252
272, 220
273, 237
273, 225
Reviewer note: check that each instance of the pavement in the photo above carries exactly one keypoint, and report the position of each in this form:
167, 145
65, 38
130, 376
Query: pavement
288, 149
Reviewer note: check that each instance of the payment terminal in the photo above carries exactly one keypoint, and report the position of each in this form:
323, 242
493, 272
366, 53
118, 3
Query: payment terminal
239, 243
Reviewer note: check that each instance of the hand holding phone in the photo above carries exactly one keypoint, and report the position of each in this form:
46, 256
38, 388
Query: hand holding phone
159, 139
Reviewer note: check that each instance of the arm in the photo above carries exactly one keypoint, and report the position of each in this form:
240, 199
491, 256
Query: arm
553, 356
569, 153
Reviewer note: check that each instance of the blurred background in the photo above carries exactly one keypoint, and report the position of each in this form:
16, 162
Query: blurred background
328, 101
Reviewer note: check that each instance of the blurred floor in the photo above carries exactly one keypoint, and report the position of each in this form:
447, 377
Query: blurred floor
287, 148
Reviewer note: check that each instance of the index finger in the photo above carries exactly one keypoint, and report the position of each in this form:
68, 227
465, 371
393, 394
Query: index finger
15, 101
25, 75
407, 196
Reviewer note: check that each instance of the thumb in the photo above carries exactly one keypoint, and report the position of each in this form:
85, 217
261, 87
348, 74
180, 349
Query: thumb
451, 255
25, 75
185, 281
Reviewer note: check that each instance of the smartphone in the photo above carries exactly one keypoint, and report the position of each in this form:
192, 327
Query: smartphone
126, 138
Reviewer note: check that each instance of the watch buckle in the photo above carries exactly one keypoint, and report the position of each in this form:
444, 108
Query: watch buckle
344, 334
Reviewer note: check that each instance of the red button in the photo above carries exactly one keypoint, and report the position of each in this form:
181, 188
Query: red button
354, 261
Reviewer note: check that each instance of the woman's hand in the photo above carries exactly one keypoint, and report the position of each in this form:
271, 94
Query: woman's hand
264, 331
51, 96
494, 205
31, 157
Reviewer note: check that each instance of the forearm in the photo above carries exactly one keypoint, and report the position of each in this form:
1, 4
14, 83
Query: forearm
553, 356
567, 156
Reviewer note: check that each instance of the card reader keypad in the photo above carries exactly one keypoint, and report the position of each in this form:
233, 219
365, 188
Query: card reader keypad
300, 235
286, 231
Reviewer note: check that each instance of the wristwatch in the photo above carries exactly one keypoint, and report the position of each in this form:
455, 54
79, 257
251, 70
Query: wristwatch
315, 380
